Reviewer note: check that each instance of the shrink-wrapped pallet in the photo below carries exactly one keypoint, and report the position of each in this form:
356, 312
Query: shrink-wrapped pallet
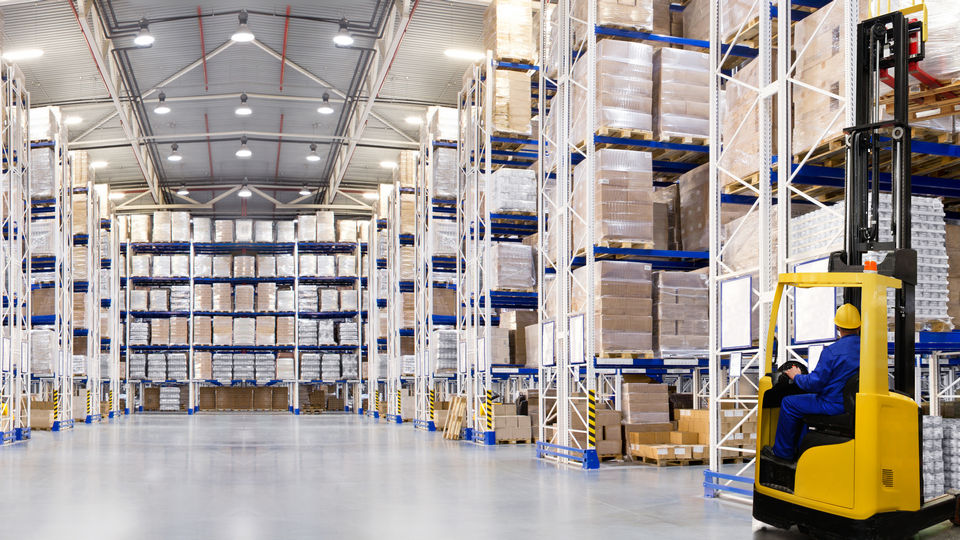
140, 265
161, 224
952, 243
511, 267
43, 169
408, 307
156, 366
222, 366
243, 230
347, 231
222, 297
139, 333
179, 226
326, 265
818, 117
202, 330
511, 102
622, 308
408, 260
325, 227
263, 231
408, 213
680, 314
347, 333
179, 330
222, 266
223, 330
346, 265
285, 371
307, 332
406, 171
733, 14
161, 263
681, 86
223, 230
348, 300
308, 265
243, 296
244, 331
325, 333
637, 14
203, 297
203, 265
623, 199
266, 330
444, 237
508, 31
307, 298
307, 228
512, 190
624, 90
42, 351
203, 365
159, 331
940, 60
286, 266
42, 237
80, 216
139, 300
266, 297
694, 218
244, 266
285, 300
201, 229
445, 174
444, 354
286, 231
442, 123
159, 299
329, 300
180, 298
285, 331
740, 126
140, 228
180, 265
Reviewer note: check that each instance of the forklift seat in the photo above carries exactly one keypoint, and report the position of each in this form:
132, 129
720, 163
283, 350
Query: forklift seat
838, 425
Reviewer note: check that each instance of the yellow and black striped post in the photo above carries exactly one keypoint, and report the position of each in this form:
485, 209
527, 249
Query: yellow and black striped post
110, 397
56, 405
376, 399
489, 410
88, 402
399, 404
431, 405
592, 419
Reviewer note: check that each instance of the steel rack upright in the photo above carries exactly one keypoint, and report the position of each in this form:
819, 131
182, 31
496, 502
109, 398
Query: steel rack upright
395, 289
373, 375
109, 306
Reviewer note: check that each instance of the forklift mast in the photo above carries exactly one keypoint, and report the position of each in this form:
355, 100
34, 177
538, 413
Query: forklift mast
884, 43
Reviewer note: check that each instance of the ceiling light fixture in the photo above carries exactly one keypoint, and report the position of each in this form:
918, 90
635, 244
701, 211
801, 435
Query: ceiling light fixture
414, 120
343, 37
117, 195
161, 107
22, 54
243, 33
244, 191
243, 109
313, 156
243, 152
183, 191
98, 164
325, 108
371, 195
305, 192
144, 37
175, 155
72, 120
388, 164
463, 54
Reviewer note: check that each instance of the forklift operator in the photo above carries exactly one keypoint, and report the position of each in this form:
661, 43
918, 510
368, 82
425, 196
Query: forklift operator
823, 386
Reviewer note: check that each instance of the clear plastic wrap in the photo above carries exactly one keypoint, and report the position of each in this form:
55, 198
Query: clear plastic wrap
444, 237
263, 231
346, 265
203, 365
681, 322
179, 330
326, 265
443, 349
325, 227
202, 330
512, 267
348, 300
43, 168
286, 231
622, 307
161, 226
624, 89
307, 298
347, 333
817, 117
406, 171
307, 228
330, 366
203, 297
442, 123
42, 351
266, 297
243, 298
80, 215
694, 198
512, 190
681, 86
139, 300
285, 300
941, 59
243, 230
347, 231
222, 265
139, 333
222, 366
137, 365
202, 265
445, 173
222, 297
244, 331
140, 265
159, 299
266, 330
637, 14
329, 300
180, 298
180, 265
623, 198
308, 265
159, 331
244, 266
507, 29
201, 229
223, 230
140, 228
286, 265
285, 331
307, 332
156, 366
408, 309
325, 335
266, 265
511, 102
733, 13
179, 226
41, 237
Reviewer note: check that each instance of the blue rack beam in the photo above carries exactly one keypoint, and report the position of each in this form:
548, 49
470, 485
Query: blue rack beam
247, 280
228, 247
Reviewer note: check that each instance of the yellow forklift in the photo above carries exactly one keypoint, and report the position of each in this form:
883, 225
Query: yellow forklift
859, 474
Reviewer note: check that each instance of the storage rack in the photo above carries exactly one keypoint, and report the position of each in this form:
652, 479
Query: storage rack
109, 307
57, 386
374, 347
396, 288
15, 368
587, 375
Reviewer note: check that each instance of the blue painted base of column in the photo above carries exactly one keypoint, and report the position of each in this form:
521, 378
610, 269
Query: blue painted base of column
296, 412
56, 426
398, 419
590, 459
21, 433
126, 411
376, 415
468, 434
489, 438
290, 408
346, 408
431, 426
140, 408
360, 411
111, 414
88, 419
190, 410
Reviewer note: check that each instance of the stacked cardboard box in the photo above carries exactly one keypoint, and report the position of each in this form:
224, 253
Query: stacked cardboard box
733, 14
623, 199
516, 322
406, 172
694, 202
681, 86
512, 267
953, 276
507, 30
740, 126
645, 403
223, 230
512, 190
637, 14
681, 314
511, 102
512, 427
623, 305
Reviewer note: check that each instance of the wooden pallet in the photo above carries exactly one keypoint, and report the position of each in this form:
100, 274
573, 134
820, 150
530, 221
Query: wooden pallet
676, 139
454, 425
527, 61
929, 103
666, 462
626, 355
582, 252
514, 441
610, 457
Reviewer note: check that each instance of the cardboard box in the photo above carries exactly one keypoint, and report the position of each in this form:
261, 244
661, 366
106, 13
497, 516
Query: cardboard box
207, 398
684, 437
263, 398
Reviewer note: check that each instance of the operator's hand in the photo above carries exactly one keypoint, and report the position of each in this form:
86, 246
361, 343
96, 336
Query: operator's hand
792, 372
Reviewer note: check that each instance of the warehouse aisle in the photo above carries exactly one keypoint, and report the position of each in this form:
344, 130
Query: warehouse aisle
330, 476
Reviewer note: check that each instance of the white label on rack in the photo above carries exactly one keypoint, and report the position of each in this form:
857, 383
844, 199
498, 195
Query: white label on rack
736, 363
546, 344
577, 355
481, 354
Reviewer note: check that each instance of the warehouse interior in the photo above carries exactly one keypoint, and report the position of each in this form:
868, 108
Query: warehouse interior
429, 267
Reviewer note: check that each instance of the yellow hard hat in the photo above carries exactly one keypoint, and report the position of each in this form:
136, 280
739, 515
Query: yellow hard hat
847, 317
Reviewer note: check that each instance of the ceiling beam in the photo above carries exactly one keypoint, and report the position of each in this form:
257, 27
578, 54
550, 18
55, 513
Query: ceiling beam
201, 137
386, 50
100, 49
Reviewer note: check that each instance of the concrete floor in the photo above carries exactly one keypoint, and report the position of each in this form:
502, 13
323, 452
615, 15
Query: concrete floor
332, 476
